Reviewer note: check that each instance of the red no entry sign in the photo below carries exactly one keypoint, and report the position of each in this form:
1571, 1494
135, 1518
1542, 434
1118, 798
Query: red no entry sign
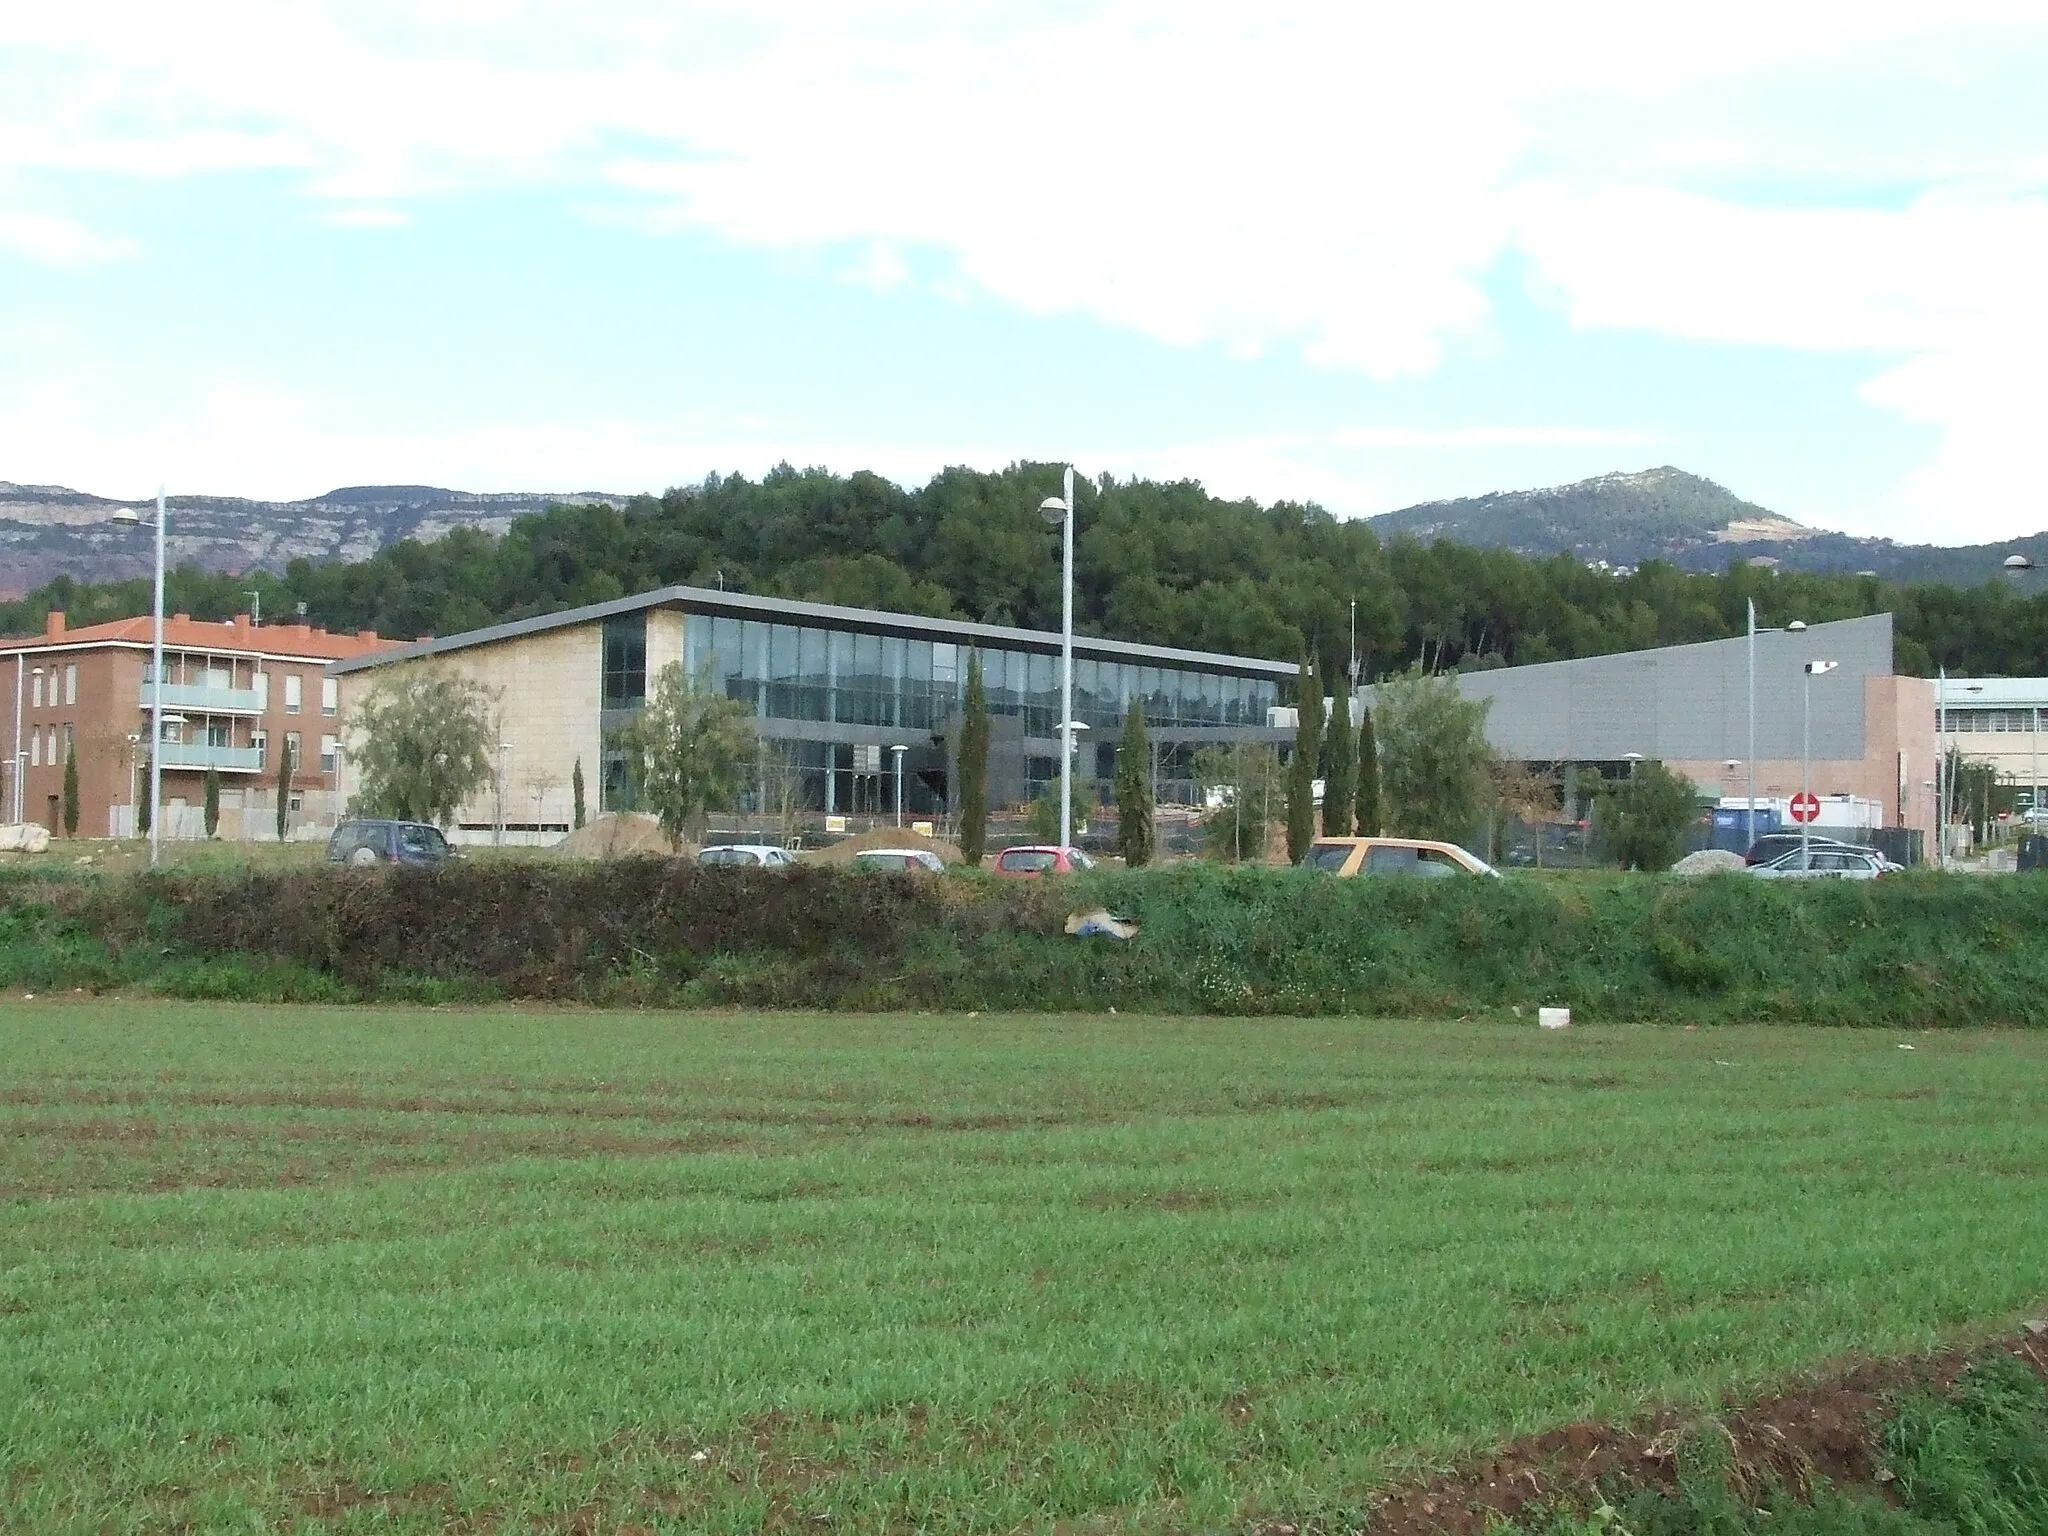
1805, 807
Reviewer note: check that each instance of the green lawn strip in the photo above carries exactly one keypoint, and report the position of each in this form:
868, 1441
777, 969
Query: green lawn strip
403, 1266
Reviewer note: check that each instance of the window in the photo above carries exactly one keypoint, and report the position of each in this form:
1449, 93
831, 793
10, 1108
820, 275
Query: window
623, 683
292, 682
70, 739
71, 682
1330, 856
1390, 861
291, 749
35, 739
260, 740
38, 675
219, 733
330, 695
330, 753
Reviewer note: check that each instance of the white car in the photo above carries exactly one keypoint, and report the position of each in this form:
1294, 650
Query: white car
1840, 863
759, 855
898, 860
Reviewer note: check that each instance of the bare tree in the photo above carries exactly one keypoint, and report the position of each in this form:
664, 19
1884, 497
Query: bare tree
540, 783
782, 786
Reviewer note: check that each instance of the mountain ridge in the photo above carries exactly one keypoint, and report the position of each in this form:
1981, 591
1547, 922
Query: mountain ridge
48, 531
1625, 517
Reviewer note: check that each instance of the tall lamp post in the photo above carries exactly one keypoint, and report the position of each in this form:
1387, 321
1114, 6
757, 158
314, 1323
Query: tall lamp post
1060, 510
1813, 669
1796, 627
132, 519
899, 749
1944, 774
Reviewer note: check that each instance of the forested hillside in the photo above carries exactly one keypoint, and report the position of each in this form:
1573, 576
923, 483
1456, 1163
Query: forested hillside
1165, 563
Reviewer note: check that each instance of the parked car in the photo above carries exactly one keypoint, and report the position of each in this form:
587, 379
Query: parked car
365, 843
1036, 859
899, 860
755, 855
1773, 846
1393, 856
1830, 863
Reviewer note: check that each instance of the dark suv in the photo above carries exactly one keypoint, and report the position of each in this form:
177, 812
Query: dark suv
363, 843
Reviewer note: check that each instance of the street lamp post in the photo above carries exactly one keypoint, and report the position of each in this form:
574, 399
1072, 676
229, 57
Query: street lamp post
504, 760
1813, 669
129, 516
899, 749
1060, 509
1797, 626
20, 758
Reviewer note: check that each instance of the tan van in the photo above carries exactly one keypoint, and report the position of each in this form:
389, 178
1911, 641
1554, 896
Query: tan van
1393, 856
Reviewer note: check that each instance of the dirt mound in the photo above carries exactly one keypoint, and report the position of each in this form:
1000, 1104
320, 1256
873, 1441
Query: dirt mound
616, 836
1824, 1432
1708, 861
886, 837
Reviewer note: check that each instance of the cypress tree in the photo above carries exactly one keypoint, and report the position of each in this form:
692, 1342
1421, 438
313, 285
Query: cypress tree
1368, 797
1340, 785
143, 809
1301, 771
284, 787
576, 788
212, 805
1134, 790
71, 793
974, 765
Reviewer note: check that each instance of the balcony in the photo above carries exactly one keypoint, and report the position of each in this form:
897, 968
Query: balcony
198, 699
198, 754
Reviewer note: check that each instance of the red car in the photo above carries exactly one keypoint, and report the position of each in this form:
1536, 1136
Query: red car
1041, 859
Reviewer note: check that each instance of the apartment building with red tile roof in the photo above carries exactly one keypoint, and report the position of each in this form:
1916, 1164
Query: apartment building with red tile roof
235, 695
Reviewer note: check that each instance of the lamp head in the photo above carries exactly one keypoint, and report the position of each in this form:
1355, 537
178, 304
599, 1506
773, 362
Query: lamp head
1818, 668
128, 517
1053, 509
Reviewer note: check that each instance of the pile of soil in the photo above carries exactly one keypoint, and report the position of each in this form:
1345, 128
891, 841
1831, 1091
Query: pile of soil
1708, 861
886, 837
617, 836
1826, 1432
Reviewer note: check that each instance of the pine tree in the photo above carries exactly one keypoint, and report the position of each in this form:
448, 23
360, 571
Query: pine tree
1342, 751
212, 802
973, 766
71, 793
576, 788
284, 788
1301, 770
1368, 795
1134, 832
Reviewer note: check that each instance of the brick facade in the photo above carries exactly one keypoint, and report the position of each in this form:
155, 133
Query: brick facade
235, 695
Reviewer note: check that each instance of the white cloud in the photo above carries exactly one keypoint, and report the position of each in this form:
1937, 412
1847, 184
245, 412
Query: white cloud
367, 218
1341, 182
56, 241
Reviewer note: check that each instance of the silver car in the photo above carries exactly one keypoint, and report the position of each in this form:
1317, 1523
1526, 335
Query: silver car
899, 860
755, 855
1823, 863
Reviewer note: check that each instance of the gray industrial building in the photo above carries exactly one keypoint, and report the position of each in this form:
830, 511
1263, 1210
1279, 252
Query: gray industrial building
1689, 706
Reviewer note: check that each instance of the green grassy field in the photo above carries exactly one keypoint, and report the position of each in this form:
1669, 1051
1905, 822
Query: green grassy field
362, 1269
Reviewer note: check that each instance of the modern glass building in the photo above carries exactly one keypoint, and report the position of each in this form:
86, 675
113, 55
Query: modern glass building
836, 690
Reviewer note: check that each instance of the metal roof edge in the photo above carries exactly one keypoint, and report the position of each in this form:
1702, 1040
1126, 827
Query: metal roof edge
793, 610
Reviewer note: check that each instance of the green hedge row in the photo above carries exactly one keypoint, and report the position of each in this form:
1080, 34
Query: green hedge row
1912, 951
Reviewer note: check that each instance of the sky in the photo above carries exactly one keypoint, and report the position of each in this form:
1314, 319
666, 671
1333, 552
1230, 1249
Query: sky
1363, 254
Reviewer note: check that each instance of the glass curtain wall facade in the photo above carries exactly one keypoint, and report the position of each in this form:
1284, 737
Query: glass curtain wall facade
791, 672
